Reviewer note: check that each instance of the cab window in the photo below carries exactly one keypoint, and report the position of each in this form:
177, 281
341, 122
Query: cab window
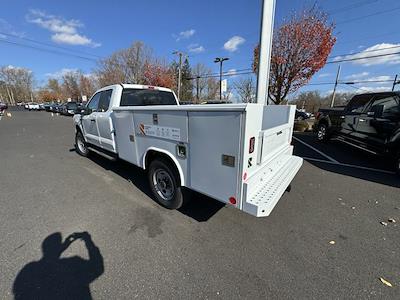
104, 102
389, 106
94, 102
358, 103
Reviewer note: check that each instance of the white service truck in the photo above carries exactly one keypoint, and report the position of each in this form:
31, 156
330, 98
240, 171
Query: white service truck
240, 154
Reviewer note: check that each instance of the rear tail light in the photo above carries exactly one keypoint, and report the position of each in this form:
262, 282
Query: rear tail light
251, 144
232, 200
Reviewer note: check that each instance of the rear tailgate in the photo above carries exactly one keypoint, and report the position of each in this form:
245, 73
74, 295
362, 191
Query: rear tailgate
275, 166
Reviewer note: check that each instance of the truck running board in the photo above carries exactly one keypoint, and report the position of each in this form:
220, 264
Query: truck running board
106, 154
262, 200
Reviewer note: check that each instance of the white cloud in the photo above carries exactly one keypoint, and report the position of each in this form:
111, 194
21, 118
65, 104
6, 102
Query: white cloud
64, 31
196, 48
59, 74
230, 72
184, 34
357, 75
363, 89
379, 49
233, 43
324, 75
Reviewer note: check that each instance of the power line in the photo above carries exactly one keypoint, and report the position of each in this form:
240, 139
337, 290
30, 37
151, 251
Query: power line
361, 58
47, 50
370, 15
48, 44
351, 7
365, 51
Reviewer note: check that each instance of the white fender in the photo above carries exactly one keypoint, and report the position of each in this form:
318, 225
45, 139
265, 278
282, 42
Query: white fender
178, 166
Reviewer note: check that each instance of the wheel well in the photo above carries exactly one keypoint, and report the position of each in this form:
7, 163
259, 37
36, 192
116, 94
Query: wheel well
152, 155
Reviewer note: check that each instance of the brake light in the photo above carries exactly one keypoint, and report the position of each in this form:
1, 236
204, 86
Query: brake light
251, 144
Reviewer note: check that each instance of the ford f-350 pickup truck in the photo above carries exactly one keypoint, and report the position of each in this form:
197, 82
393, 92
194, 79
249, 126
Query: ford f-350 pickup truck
240, 154
370, 122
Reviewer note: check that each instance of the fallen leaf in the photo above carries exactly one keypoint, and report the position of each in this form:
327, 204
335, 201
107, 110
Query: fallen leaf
391, 220
385, 282
332, 242
383, 223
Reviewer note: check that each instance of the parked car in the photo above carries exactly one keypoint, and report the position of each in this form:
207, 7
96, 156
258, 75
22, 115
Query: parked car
3, 107
370, 122
69, 108
33, 106
41, 106
302, 115
47, 106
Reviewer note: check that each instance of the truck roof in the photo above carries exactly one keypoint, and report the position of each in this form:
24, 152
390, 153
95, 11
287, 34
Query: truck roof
137, 86
379, 94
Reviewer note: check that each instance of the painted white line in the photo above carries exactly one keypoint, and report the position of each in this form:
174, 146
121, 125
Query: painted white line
348, 165
316, 150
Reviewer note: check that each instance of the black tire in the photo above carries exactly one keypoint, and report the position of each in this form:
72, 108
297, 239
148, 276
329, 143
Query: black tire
165, 184
322, 133
80, 145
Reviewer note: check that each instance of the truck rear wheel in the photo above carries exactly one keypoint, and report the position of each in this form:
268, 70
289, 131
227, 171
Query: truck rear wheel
164, 184
80, 144
322, 133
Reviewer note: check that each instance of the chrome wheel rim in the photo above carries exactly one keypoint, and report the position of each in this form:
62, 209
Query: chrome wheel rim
321, 132
81, 144
163, 184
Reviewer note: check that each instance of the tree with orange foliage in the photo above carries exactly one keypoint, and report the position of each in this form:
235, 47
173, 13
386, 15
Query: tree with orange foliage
158, 74
300, 48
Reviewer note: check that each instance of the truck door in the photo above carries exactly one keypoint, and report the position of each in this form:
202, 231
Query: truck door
89, 124
352, 113
377, 123
104, 122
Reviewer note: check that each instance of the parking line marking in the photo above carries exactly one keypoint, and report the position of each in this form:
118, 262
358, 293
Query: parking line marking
316, 150
349, 165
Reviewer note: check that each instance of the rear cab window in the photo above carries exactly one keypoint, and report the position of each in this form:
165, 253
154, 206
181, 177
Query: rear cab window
144, 97
358, 103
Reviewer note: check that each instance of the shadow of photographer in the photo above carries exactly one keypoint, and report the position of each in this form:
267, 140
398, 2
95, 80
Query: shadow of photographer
53, 277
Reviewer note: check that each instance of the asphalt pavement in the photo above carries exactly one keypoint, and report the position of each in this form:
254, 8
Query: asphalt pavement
323, 240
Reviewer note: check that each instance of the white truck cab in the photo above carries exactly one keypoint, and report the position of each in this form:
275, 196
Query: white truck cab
239, 154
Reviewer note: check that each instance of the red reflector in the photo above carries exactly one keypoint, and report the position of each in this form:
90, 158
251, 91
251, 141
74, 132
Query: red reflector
251, 146
245, 176
232, 200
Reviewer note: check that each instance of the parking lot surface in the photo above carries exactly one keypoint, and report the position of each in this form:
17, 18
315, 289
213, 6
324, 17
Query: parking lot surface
324, 239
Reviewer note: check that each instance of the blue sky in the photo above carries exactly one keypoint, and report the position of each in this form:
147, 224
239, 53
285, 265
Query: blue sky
203, 29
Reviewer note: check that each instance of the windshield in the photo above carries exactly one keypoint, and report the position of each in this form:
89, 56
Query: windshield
140, 97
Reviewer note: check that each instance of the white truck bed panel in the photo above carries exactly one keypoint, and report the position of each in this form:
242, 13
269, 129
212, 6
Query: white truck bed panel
212, 135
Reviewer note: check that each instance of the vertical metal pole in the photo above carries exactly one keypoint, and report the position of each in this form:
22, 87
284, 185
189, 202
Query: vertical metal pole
394, 83
197, 88
180, 75
334, 89
220, 79
264, 57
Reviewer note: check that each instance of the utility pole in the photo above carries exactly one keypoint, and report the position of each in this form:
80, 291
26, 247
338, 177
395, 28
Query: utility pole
197, 88
180, 54
394, 83
220, 60
264, 57
336, 83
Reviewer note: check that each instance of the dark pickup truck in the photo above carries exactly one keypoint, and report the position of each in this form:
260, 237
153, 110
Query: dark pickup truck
369, 121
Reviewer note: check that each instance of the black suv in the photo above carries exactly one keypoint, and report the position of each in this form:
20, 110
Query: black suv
369, 121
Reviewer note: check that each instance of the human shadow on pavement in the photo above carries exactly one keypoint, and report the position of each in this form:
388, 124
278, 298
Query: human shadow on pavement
199, 207
53, 277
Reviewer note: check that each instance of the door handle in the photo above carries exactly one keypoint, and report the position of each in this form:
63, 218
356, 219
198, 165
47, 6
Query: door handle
92, 120
362, 120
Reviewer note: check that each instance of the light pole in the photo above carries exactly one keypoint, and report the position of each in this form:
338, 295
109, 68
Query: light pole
220, 60
180, 54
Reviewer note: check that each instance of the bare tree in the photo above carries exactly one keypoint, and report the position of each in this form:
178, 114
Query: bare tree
246, 89
16, 83
125, 65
